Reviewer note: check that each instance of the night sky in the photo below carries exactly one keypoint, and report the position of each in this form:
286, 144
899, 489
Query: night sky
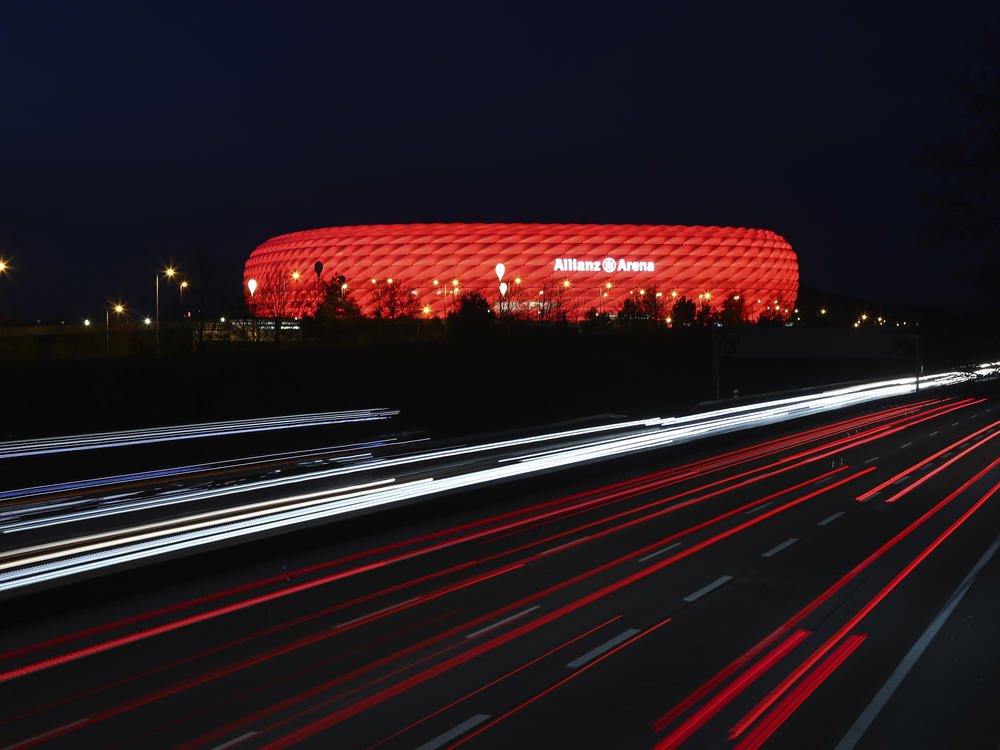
133, 136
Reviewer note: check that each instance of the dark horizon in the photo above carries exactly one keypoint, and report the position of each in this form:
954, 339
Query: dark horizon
136, 138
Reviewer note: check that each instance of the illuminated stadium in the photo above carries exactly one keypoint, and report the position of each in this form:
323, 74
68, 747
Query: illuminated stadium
529, 270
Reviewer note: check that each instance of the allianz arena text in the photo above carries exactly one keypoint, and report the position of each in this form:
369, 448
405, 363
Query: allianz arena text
527, 270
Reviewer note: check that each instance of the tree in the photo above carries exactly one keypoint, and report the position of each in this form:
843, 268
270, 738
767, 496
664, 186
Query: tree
552, 303
473, 320
733, 311
683, 312
394, 298
270, 300
515, 304
772, 317
706, 316
652, 304
631, 311
336, 301
597, 319
472, 306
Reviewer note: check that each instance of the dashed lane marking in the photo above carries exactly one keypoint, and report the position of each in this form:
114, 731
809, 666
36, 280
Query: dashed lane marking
456, 731
651, 555
780, 548
606, 646
830, 519
708, 589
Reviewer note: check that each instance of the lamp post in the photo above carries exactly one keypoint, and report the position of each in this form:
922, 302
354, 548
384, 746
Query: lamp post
252, 287
169, 273
3, 266
107, 324
182, 286
318, 268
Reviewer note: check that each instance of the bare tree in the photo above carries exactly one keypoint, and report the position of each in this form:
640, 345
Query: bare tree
652, 303
394, 298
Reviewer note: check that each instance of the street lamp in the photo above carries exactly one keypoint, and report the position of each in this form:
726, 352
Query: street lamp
3, 265
183, 285
169, 273
119, 309
454, 291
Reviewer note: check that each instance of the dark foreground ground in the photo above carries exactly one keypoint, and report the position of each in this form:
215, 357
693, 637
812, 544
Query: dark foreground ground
443, 386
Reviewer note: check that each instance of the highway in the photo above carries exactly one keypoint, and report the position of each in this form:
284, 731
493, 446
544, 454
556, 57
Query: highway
794, 573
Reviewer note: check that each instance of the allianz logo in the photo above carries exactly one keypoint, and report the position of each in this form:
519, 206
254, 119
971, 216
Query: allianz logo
608, 265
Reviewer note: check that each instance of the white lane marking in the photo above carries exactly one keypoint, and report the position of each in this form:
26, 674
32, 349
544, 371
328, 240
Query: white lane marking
457, 731
781, 547
606, 646
872, 459
905, 445
954, 424
234, 741
504, 621
564, 546
43, 735
934, 433
659, 551
831, 519
708, 589
759, 507
900, 480
857, 730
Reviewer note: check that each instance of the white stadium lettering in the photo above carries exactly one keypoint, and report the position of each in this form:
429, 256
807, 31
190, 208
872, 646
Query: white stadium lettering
607, 265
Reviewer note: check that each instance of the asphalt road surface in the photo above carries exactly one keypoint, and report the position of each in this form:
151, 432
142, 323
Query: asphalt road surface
826, 581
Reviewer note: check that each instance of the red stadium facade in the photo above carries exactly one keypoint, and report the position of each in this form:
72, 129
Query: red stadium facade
529, 270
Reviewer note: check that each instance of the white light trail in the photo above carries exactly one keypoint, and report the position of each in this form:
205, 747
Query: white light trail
39, 563
45, 446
